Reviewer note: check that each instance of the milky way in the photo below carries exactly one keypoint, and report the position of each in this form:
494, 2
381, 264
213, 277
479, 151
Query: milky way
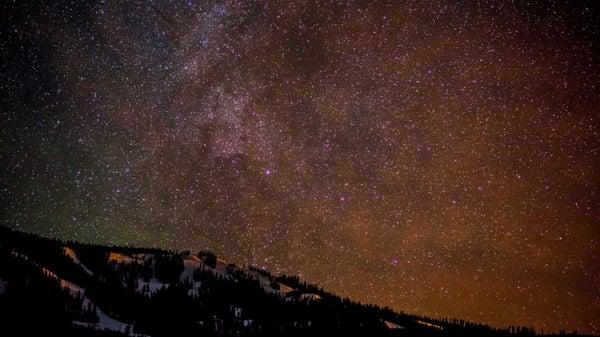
437, 158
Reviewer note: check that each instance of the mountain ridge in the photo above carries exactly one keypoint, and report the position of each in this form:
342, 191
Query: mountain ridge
98, 290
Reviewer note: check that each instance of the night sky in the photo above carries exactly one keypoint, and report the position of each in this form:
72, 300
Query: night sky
440, 158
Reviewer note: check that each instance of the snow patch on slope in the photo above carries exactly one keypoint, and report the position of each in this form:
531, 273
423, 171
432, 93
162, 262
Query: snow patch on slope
127, 259
119, 258
105, 322
71, 253
310, 297
264, 281
189, 265
220, 268
195, 289
285, 289
430, 325
392, 326
151, 287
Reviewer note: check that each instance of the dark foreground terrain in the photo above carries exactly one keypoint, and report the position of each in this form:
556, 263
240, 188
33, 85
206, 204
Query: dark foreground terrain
54, 288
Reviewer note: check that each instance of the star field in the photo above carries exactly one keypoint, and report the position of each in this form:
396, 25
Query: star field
437, 157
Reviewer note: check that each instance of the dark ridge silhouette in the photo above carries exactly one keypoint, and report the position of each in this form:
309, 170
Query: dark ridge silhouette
94, 290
